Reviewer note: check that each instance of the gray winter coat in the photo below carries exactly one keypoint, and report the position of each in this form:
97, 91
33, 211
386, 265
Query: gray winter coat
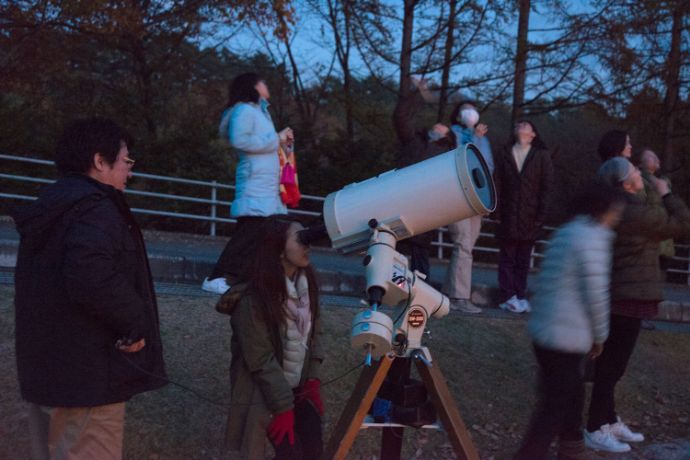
571, 303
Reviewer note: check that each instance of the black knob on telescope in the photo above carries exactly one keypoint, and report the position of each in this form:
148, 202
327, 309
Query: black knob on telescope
376, 294
373, 223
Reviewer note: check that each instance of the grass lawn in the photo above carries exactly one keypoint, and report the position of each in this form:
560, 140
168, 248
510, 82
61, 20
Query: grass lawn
488, 363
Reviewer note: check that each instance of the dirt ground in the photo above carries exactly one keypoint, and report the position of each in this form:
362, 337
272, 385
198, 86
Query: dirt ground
488, 364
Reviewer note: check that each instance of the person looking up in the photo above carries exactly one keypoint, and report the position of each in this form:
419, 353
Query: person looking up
248, 128
615, 143
636, 290
523, 179
463, 234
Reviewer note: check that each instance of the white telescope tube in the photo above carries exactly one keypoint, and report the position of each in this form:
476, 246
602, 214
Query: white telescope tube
430, 194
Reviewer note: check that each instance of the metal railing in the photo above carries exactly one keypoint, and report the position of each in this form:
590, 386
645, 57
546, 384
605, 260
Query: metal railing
212, 188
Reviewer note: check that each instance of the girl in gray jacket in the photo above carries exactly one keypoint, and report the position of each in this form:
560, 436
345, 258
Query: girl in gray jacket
570, 319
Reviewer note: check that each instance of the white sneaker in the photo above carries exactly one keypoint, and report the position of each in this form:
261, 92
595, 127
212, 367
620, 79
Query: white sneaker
464, 305
217, 285
623, 433
526, 307
604, 439
512, 305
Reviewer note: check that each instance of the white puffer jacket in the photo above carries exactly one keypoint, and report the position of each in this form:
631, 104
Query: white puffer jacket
571, 303
295, 344
249, 130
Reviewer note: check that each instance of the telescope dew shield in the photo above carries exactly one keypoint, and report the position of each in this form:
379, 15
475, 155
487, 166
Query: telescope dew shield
430, 194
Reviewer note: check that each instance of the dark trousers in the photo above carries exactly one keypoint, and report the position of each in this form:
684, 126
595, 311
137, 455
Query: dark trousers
513, 267
308, 436
417, 248
561, 400
240, 250
609, 369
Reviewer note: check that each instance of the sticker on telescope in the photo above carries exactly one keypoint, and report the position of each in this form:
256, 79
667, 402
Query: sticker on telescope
416, 317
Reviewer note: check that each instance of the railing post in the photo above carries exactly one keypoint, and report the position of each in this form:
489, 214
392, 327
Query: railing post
439, 240
531, 256
214, 198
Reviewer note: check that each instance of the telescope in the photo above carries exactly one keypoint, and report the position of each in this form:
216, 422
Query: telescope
375, 214
398, 204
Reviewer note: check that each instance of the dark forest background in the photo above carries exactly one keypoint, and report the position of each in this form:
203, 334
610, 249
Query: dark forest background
162, 69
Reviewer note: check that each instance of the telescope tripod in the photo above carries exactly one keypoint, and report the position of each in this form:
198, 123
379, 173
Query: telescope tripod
362, 397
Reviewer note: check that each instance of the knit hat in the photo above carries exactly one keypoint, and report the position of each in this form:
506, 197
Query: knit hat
615, 170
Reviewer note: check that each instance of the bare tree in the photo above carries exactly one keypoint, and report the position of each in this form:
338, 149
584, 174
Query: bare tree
431, 43
645, 47
138, 40
448, 53
337, 14
520, 59
308, 98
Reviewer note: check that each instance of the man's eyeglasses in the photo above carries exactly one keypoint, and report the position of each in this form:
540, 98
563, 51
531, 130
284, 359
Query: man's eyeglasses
129, 161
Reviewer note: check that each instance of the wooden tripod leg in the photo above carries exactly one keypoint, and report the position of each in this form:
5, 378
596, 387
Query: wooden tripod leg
350, 421
447, 410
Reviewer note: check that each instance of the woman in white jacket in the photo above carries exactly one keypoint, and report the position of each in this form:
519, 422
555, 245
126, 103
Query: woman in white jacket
248, 127
570, 319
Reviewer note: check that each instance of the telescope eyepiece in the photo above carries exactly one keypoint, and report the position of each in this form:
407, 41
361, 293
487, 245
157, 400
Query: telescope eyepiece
311, 234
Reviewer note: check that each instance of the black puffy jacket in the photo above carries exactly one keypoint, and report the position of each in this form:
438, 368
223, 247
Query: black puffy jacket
82, 282
523, 196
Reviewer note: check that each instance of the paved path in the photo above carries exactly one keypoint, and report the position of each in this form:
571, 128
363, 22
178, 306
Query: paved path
180, 261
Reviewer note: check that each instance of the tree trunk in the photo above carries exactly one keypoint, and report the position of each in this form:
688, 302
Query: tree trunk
672, 87
445, 75
520, 60
406, 49
347, 94
347, 77
143, 74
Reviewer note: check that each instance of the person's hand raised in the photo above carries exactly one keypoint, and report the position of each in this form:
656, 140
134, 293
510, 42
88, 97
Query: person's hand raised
660, 185
481, 129
441, 129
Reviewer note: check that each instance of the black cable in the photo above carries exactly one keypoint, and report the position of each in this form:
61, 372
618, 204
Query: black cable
409, 298
217, 403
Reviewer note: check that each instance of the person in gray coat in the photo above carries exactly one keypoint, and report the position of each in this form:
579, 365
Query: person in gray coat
570, 319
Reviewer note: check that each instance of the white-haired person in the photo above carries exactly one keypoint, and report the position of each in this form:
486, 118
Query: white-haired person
636, 290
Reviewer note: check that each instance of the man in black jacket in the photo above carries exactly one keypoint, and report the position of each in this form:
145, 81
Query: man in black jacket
87, 336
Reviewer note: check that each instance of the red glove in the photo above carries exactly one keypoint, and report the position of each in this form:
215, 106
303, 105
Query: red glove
312, 391
282, 424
